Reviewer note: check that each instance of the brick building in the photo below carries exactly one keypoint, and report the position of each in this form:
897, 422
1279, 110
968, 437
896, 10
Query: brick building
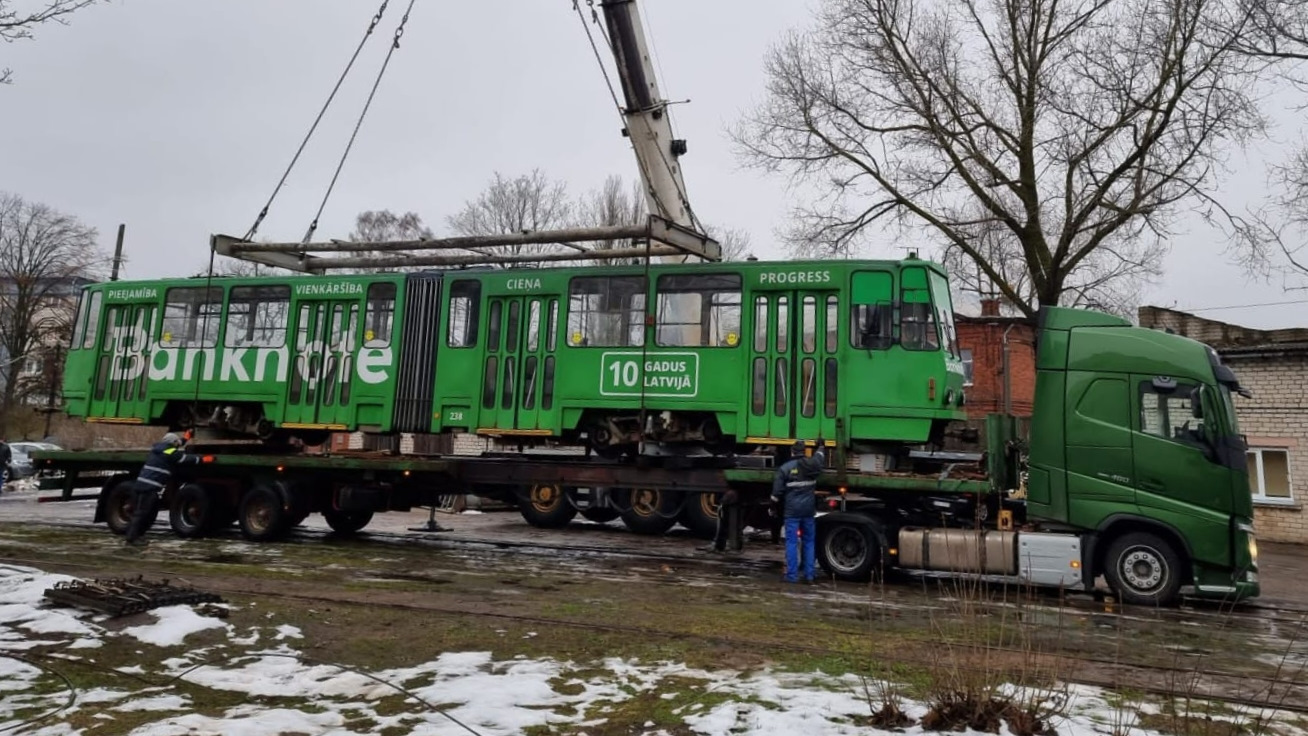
1273, 365
999, 358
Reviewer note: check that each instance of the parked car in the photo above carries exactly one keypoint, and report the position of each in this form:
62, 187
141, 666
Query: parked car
21, 465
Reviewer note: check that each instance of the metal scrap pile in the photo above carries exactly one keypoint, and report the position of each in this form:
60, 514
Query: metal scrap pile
122, 597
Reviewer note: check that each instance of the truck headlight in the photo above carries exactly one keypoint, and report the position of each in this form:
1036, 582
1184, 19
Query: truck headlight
1253, 549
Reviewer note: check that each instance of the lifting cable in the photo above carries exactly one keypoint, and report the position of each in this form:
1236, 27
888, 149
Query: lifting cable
395, 44
617, 103
376, 19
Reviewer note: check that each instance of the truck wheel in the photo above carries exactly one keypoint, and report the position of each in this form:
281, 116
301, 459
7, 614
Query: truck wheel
261, 515
700, 514
848, 551
118, 506
346, 522
648, 511
192, 512
546, 507
1144, 569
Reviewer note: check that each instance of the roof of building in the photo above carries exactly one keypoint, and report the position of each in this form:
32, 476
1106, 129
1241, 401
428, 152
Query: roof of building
1224, 337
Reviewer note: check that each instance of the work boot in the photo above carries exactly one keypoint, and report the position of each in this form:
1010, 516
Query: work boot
709, 549
138, 542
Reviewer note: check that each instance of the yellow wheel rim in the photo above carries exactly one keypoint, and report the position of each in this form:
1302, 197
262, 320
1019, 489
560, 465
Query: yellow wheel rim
546, 498
646, 502
708, 504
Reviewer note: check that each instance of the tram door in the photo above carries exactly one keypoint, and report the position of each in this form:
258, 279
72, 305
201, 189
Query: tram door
122, 367
322, 366
518, 376
794, 366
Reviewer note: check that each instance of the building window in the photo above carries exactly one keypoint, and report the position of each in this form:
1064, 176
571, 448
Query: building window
967, 367
1269, 476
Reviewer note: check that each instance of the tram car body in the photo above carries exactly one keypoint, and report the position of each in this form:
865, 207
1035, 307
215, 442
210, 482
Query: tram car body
706, 355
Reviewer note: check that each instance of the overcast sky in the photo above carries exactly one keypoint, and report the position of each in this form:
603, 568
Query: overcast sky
177, 117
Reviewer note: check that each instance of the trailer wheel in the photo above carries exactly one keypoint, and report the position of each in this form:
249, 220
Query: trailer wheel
1144, 569
648, 511
118, 506
261, 515
193, 512
848, 551
546, 506
346, 522
700, 514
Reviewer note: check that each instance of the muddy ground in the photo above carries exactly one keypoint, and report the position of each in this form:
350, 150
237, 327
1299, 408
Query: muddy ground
394, 598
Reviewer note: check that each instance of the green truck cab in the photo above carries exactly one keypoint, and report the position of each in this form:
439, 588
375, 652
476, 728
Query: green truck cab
1135, 439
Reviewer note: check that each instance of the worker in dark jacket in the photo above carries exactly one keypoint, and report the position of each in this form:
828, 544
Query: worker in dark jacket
155, 475
794, 488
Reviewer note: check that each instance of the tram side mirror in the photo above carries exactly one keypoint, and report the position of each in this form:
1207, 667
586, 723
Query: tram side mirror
1197, 403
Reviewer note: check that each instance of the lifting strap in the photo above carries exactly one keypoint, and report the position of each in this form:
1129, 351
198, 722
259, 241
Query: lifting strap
376, 19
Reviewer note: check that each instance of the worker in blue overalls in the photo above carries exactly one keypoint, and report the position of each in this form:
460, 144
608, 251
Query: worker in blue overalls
154, 477
794, 488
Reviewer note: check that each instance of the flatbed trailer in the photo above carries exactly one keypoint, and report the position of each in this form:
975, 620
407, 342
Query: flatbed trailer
959, 519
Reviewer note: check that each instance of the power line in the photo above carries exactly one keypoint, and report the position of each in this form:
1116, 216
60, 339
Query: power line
1241, 306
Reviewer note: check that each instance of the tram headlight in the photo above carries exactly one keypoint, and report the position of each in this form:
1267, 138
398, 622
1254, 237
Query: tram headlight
1253, 549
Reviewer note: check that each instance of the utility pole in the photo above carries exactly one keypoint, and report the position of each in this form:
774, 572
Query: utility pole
118, 253
53, 372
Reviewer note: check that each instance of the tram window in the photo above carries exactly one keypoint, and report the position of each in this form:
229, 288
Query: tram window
781, 391
465, 308
829, 391
783, 324
945, 313
533, 326
833, 323
257, 316
552, 328
871, 311
606, 311
92, 321
699, 311
760, 391
493, 329
380, 318
808, 323
547, 385
511, 330
191, 317
489, 382
917, 317
808, 384
760, 324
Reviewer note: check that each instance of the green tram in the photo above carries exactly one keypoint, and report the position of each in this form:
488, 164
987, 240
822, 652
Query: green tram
714, 356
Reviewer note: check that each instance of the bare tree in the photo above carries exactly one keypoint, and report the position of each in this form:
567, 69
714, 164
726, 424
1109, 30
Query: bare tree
1064, 135
734, 241
614, 203
1278, 35
527, 203
375, 226
17, 25
45, 256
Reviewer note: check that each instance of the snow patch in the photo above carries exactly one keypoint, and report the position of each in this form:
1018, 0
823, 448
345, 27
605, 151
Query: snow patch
173, 624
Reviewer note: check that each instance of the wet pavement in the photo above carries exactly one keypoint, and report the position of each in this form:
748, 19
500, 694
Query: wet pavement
1283, 567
